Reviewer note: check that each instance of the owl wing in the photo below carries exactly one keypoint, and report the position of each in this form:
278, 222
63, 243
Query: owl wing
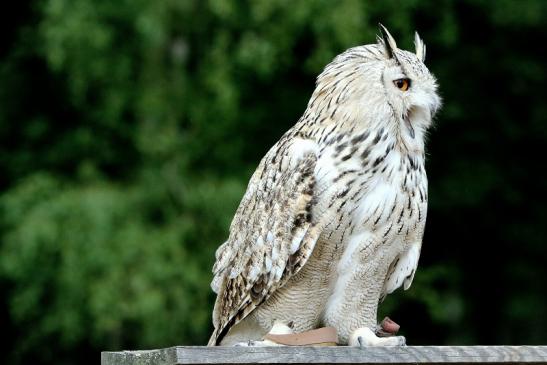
271, 236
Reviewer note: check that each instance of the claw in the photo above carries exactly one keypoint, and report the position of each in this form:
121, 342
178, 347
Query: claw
249, 343
364, 336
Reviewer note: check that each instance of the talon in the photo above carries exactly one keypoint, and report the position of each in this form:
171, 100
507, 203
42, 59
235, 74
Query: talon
364, 337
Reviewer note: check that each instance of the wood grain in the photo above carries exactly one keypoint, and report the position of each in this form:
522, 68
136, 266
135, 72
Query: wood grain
335, 355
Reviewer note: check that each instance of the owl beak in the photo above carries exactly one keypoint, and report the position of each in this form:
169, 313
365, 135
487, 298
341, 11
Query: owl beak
408, 124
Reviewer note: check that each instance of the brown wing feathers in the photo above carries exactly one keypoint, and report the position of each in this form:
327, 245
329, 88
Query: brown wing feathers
271, 237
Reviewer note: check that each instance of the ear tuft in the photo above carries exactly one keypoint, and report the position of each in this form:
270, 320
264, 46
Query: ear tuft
419, 47
387, 41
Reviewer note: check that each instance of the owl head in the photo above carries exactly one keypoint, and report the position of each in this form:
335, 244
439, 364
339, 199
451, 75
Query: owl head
380, 86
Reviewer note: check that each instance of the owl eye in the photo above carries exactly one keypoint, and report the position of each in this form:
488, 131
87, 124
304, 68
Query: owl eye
402, 84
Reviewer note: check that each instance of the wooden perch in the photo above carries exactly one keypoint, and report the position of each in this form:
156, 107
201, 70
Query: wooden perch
335, 355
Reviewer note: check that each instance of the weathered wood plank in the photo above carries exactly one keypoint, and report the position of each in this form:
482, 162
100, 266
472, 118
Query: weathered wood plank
335, 355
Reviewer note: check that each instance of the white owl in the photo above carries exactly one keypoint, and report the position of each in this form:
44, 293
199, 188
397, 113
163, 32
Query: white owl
333, 217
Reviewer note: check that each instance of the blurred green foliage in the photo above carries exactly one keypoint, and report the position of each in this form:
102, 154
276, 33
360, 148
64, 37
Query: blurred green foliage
129, 130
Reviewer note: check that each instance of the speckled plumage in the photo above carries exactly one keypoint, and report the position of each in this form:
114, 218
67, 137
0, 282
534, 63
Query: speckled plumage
333, 218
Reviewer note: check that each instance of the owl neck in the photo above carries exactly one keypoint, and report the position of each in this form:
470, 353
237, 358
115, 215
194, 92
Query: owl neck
326, 130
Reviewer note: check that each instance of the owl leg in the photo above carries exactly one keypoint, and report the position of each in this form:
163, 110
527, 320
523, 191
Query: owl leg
364, 336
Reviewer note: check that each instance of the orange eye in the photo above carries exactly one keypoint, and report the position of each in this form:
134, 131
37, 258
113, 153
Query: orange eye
402, 84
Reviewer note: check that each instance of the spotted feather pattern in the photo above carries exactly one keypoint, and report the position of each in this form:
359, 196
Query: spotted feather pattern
333, 217
272, 233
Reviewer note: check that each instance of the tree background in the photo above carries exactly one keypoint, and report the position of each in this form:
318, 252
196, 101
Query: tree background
129, 129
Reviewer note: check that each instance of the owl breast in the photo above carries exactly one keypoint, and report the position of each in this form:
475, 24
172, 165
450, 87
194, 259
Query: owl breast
376, 203
371, 185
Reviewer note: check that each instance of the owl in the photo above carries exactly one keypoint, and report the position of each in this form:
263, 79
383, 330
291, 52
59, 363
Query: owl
333, 217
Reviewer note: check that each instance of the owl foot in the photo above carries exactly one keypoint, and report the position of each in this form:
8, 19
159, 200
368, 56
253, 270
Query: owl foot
279, 328
251, 343
365, 337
